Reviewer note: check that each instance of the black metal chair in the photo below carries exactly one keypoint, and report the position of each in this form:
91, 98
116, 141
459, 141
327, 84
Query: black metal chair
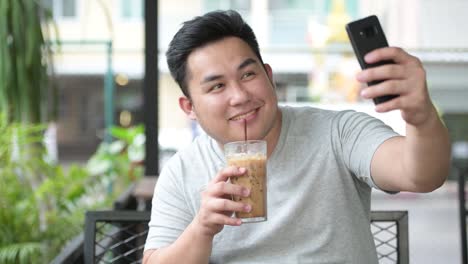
119, 236
461, 167
390, 231
115, 236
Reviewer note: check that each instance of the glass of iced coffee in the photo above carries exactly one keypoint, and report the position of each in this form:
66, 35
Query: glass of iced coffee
250, 154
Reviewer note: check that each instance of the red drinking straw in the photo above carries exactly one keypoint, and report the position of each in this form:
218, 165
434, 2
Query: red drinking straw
245, 130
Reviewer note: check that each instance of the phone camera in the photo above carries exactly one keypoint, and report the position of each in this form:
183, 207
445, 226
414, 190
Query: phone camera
368, 32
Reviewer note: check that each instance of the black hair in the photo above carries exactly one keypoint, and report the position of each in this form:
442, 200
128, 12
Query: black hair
200, 31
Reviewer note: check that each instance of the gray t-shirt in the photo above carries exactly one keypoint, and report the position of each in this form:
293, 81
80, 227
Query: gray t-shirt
318, 187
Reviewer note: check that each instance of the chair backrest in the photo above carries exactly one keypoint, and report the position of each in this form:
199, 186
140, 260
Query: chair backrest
390, 232
119, 236
115, 236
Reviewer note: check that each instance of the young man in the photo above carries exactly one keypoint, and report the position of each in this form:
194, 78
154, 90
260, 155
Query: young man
321, 164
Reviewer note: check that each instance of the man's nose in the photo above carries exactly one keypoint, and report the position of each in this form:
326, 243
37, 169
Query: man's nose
239, 94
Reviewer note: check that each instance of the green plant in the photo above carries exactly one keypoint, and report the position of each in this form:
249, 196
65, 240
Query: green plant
37, 217
25, 57
15, 198
121, 159
42, 204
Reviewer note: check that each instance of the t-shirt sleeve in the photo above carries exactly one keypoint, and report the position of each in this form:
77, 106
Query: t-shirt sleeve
169, 214
360, 135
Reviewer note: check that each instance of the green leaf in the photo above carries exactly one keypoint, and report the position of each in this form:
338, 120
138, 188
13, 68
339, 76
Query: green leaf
136, 151
126, 134
26, 252
19, 42
4, 5
116, 147
24, 90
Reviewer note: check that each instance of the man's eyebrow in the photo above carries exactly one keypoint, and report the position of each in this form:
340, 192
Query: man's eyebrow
246, 63
211, 78
214, 77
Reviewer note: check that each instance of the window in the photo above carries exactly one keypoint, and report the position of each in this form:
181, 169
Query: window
238, 5
62, 8
68, 8
290, 19
131, 9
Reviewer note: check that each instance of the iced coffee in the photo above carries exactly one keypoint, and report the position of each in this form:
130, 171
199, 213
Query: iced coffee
251, 155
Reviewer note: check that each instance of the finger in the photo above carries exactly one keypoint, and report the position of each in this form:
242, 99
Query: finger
228, 172
222, 219
389, 87
385, 72
225, 188
395, 54
225, 205
393, 104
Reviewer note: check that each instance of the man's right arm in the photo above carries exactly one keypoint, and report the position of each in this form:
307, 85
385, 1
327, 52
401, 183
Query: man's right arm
190, 247
194, 245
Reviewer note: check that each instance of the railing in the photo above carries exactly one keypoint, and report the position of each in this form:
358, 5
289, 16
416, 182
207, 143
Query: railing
390, 232
115, 236
72, 253
119, 236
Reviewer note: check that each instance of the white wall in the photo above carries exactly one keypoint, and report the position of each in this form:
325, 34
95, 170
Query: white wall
444, 24
421, 23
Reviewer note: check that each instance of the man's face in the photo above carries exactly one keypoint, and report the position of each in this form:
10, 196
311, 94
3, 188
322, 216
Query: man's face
228, 84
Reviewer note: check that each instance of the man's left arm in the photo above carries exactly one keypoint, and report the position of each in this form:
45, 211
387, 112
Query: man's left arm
419, 161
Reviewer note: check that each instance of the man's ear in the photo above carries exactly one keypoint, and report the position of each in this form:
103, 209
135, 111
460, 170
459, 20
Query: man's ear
186, 105
269, 71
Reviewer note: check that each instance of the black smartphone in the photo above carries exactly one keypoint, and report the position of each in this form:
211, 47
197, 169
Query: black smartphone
367, 35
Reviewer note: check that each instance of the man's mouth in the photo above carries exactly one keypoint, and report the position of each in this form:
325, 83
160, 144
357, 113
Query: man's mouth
243, 116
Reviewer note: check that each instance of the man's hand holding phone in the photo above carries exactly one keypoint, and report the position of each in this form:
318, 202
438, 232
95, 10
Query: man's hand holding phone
406, 77
395, 79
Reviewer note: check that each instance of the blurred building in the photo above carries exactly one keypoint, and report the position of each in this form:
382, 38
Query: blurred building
303, 40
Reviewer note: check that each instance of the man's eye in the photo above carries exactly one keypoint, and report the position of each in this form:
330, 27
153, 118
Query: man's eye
216, 87
247, 75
